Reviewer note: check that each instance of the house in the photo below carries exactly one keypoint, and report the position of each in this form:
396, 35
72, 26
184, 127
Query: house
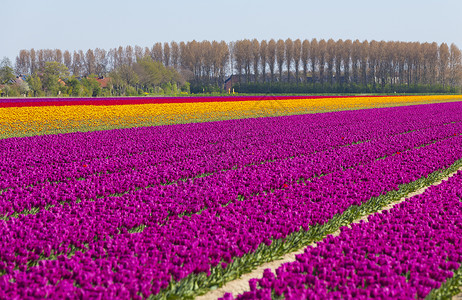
232, 80
103, 81
21, 78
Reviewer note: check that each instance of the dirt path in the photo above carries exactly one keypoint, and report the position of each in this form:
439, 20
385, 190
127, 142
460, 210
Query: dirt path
241, 285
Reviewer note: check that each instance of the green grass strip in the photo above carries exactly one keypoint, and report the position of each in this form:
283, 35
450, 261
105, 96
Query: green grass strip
199, 284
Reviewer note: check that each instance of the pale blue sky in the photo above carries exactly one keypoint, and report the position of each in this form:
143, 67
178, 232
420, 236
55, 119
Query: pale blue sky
85, 24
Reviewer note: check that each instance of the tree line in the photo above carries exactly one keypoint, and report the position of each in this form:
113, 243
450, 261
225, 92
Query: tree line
143, 77
325, 64
257, 65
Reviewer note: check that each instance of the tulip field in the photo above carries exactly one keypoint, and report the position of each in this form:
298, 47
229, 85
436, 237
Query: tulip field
19, 118
403, 253
151, 199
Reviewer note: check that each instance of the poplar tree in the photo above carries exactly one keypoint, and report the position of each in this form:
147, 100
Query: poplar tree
305, 57
297, 53
271, 57
263, 58
280, 56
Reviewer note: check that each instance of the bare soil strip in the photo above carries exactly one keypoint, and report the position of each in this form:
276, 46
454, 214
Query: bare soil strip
241, 285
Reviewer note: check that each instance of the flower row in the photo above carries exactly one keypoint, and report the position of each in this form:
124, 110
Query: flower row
145, 100
53, 119
403, 253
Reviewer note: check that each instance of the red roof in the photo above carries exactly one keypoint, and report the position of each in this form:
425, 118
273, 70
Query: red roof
103, 81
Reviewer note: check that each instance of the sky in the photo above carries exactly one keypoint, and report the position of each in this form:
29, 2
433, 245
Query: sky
85, 24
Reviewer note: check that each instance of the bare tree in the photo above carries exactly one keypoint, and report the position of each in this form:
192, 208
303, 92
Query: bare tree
183, 55
271, 54
314, 58
33, 61
231, 46
48, 55
280, 56
373, 59
263, 58
247, 52
455, 66
206, 60
89, 62
289, 52
40, 60
330, 57
67, 57
297, 54
364, 58
384, 60
346, 58
322, 59
239, 58
101, 61
76, 64
157, 53
417, 59
22, 65
305, 57
355, 60
256, 58
119, 57
58, 56
111, 55
216, 61
443, 63
222, 61
338, 53
175, 49
193, 58
129, 56
166, 54
139, 53
147, 52
433, 62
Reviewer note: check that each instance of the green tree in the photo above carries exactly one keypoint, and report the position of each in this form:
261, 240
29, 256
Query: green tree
53, 75
23, 88
123, 78
74, 87
35, 84
91, 85
152, 74
186, 88
6, 71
